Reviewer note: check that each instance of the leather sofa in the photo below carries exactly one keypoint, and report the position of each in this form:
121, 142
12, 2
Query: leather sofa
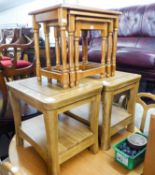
136, 41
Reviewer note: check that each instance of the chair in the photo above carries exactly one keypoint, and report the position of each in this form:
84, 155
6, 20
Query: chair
149, 168
9, 36
145, 106
12, 57
7, 169
12, 67
6, 115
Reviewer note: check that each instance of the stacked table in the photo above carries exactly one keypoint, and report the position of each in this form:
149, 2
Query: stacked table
75, 20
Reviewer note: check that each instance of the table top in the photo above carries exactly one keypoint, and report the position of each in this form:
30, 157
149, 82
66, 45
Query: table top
102, 163
75, 7
121, 79
50, 96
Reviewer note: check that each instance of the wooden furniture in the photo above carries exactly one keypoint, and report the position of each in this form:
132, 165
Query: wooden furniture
7, 169
11, 35
111, 87
102, 163
112, 118
6, 116
146, 100
56, 140
8, 36
149, 168
73, 19
85, 69
13, 61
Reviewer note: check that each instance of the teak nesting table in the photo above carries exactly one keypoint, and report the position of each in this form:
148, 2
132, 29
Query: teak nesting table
75, 20
53, 135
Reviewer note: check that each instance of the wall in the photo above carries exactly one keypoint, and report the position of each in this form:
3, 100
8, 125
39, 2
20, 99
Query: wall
20, 14
109, 4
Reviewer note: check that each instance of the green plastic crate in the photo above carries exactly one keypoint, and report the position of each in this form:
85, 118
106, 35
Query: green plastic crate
130, 162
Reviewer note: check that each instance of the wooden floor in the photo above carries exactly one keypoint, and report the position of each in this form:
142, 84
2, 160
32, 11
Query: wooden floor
85, 163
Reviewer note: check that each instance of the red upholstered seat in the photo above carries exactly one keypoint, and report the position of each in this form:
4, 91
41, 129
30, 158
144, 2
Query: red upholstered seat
20, 63
5, 58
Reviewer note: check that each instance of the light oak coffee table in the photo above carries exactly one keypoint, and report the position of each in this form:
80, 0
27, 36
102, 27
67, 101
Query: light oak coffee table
53, 135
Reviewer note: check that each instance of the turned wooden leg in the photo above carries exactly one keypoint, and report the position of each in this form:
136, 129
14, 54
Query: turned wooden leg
71, 59
57, 47
108, 68
47, 48
51, 126
84, 49
116, 23
71, 29
36, 46
106, 123
65, 72
103, 51
15, 104
77, 58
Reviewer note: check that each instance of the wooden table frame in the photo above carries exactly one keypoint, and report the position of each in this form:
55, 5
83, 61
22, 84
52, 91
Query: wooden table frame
63, 18
22, 158
113, 118
109, 91
86, 69
113, 21
51, 106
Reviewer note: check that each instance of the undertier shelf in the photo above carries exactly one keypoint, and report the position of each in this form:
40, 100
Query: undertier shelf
70, 133
119, 116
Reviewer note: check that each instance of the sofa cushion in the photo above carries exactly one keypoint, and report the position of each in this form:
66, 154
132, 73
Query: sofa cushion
122, 42
146, 43
127, 41
148, 22
94, 55
130, 21
136, 57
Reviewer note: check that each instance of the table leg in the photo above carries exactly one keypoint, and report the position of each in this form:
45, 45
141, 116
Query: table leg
94, 115
77, 36
131, 106
65, 77
36, 46
51, 125
106, 123
17, 117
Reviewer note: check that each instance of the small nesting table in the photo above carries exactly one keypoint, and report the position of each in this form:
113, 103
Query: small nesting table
54, 136
75, 20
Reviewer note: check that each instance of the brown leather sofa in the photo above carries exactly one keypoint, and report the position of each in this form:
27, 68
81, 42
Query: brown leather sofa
136, 41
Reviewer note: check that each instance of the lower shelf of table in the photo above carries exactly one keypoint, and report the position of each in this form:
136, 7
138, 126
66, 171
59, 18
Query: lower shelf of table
119, 116
84, 163
74, 136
